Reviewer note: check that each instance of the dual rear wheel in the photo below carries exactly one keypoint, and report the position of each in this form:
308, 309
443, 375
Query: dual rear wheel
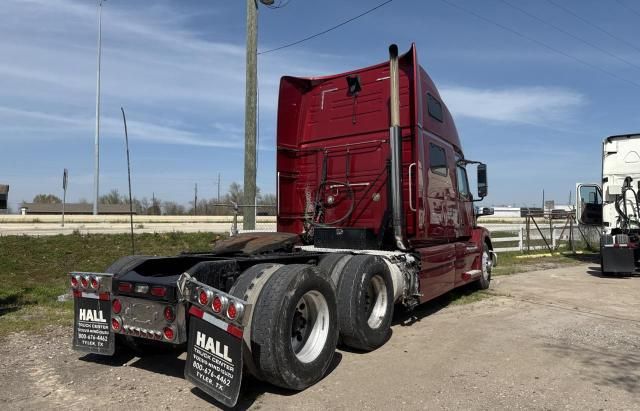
299, 311
292, 336
365, 298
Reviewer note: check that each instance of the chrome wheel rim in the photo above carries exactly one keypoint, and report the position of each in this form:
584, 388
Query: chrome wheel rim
376, 301
310, 326
486, 265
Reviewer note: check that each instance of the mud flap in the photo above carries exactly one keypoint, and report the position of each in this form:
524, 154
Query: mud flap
214, 357
92, 324
618, 260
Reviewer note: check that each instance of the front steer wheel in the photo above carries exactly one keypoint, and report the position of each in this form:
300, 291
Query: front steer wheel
294, 330
486, 264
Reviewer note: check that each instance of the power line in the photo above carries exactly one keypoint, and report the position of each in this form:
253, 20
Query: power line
634, 11
327, 30
561, 30
608, 33
540, 43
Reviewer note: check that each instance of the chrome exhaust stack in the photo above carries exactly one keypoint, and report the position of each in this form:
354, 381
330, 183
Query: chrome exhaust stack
395, 142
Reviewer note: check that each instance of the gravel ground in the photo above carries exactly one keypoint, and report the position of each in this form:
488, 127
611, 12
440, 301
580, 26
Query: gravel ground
563, 338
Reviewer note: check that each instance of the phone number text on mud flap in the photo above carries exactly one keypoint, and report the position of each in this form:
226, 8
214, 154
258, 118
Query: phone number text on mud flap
209, 368
93, 334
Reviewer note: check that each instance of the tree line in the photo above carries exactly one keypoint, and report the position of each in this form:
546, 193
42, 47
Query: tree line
156, 206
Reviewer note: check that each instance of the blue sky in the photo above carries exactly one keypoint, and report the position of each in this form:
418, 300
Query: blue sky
536, 117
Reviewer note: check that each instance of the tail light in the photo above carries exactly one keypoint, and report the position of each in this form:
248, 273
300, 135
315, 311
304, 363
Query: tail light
115, 323
116, 305
218, 304
85, 282
158, 291
169, 315
204, 296
235, 310
74, 281
94, 282
169, 334
125, 287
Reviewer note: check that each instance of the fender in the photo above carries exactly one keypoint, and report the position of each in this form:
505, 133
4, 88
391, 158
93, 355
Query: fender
480, 236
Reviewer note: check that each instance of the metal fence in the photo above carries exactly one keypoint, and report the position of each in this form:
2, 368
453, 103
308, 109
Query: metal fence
513, 237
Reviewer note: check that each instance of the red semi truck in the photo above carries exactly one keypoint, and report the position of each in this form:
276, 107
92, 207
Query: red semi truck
374, 211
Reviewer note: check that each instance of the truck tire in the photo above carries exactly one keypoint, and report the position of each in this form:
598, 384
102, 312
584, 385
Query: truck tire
333, 264
486, 266
365, 303
294, 329
245, 282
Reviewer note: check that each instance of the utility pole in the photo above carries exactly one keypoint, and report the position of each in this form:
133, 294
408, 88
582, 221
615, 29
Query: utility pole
195, 200
250, 116
218, 188
65, 178
97, 133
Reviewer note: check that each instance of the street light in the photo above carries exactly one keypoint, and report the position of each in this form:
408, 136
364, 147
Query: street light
97, 133
249, 213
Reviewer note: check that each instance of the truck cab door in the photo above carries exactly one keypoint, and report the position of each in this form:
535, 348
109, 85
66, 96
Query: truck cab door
589, 204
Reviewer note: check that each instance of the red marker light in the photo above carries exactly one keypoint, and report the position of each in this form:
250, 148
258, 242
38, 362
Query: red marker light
125, 287
85, 282
216, 305
74, 281
168, 333
203, 297
95, 284
232, 312
116, 305
158, 291
169, 315
115, 324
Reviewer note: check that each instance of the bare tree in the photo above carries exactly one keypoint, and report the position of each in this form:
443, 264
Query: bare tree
46, 199
113, 197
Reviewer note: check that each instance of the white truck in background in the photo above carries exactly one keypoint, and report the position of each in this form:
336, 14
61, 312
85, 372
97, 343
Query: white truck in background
614, 206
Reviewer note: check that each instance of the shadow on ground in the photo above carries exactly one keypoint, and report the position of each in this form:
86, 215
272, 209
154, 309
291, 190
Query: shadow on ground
405, 317
584, 257
613, 367
252, 389
170, 364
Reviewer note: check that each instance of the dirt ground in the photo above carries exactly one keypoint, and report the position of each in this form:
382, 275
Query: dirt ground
563, 338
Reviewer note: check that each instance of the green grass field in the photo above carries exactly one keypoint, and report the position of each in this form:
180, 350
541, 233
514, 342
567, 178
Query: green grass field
33, 270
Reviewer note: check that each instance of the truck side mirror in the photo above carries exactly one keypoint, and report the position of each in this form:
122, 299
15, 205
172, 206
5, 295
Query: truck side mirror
482, 211
482, 180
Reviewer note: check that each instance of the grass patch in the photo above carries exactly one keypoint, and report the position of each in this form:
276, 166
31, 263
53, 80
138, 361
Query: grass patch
33, 270
467, 295
517, 262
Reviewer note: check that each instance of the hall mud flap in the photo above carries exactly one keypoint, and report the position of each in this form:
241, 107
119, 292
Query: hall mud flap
92, 331
214, 357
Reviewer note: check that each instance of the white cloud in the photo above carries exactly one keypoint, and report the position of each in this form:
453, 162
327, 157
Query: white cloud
530, 105
180, 88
